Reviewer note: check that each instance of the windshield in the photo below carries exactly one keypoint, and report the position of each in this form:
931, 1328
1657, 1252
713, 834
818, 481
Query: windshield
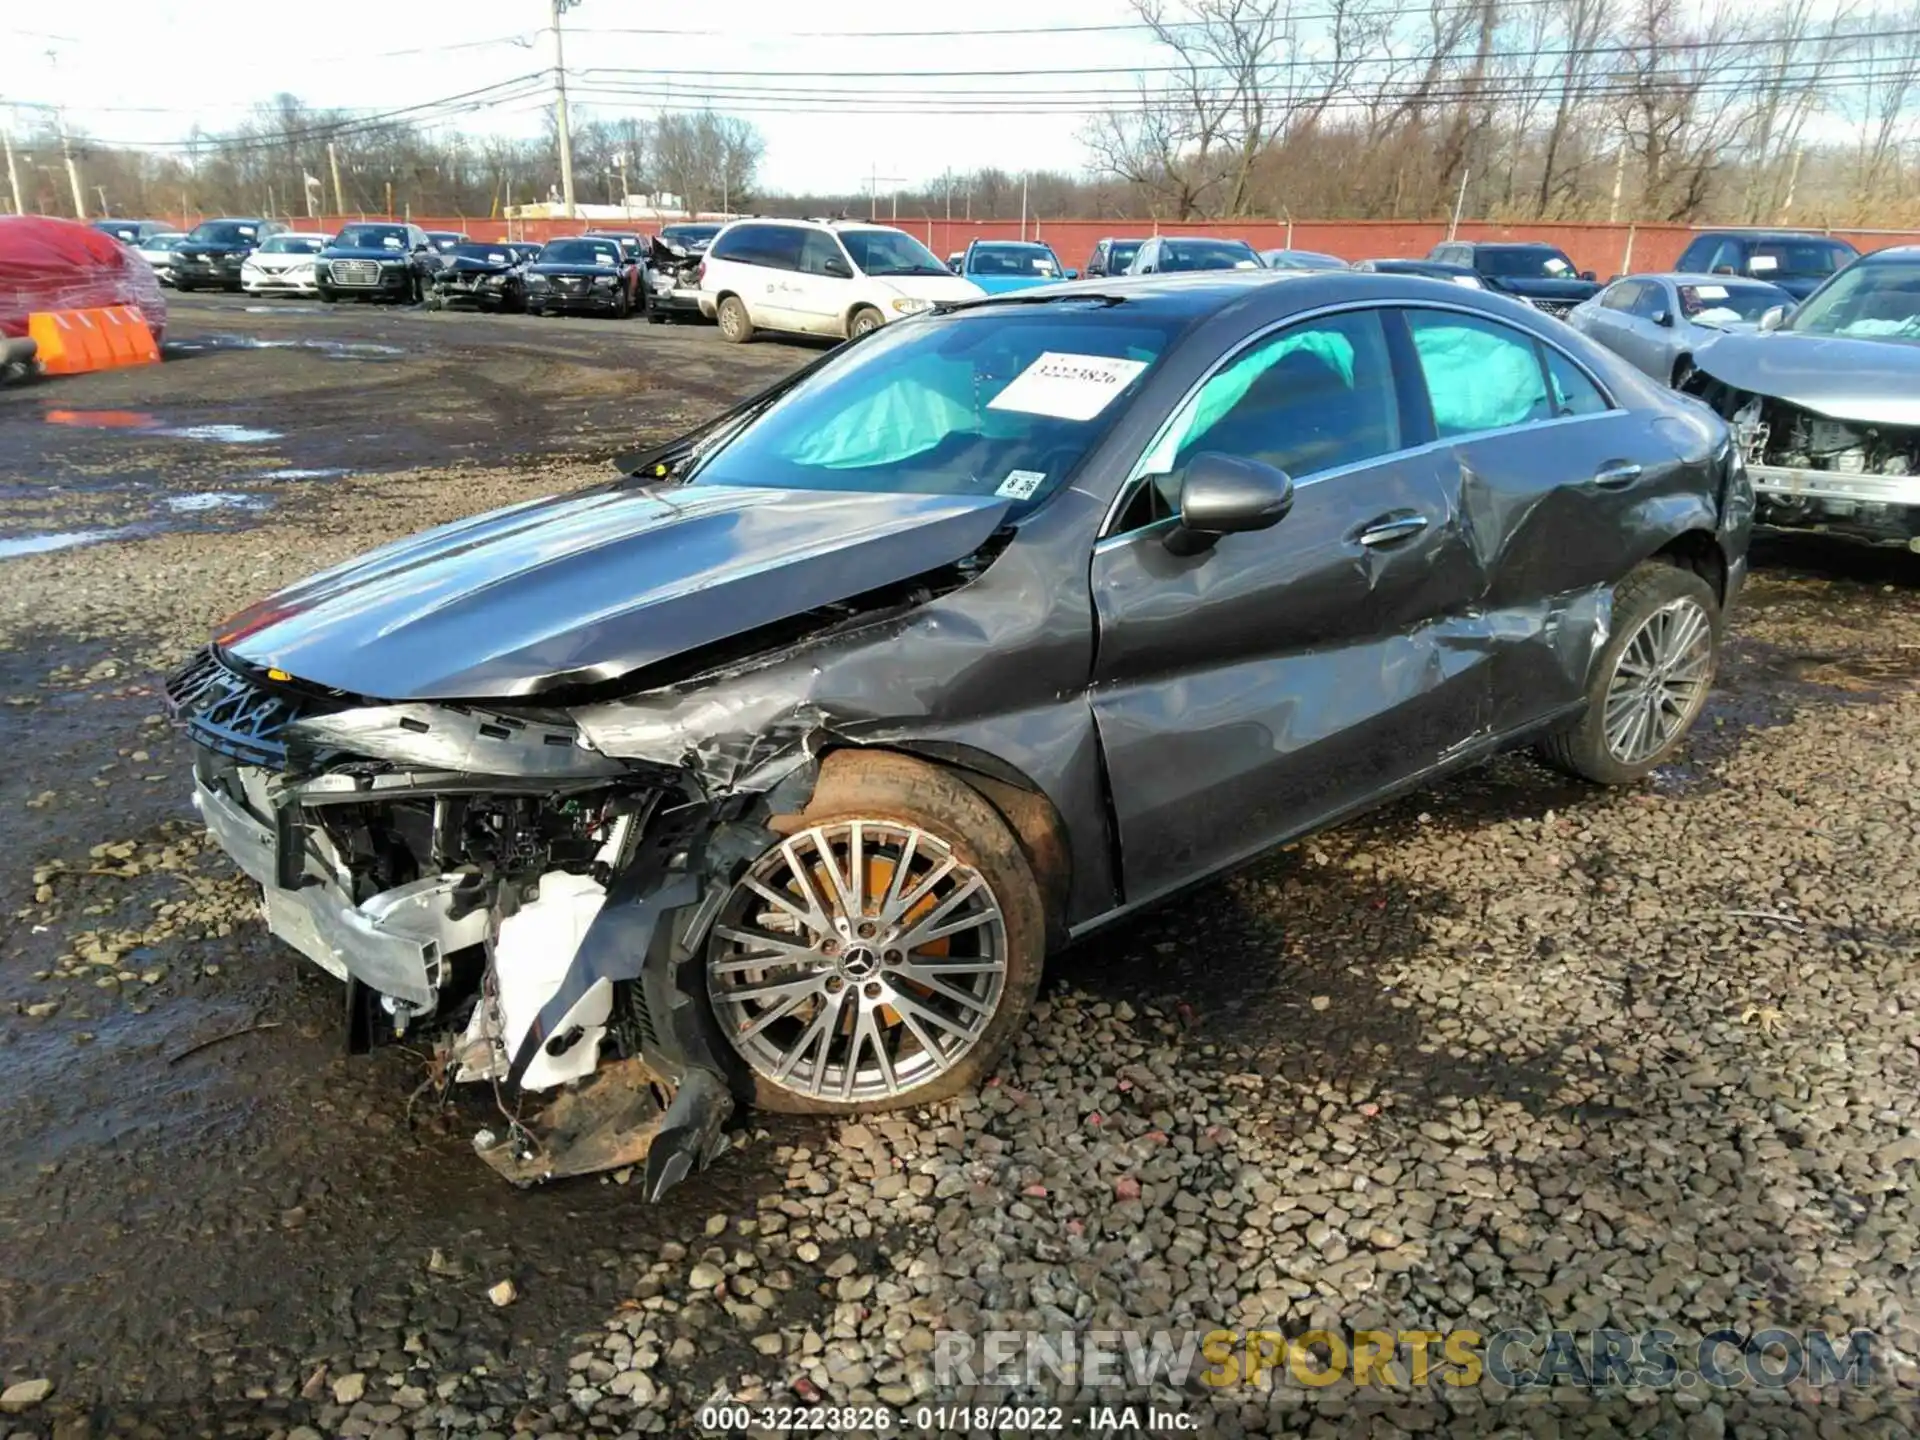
1000, 402
1301, 260
490, 254
445, 244
293, 245
689, 234
1532, 263
1020, 260
1727, 304
1208, 255
581, 252
890, 252
1120, 254
1874, 301
372, 237
225, 232
1797, 259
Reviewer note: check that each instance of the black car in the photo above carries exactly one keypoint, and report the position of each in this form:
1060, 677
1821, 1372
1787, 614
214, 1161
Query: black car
1539, 274
214, 250
378, 260
1431, 269
132, 232
1798, 263
1111, 256
583, 276
488, 276
772, 771
674, 258
1172, 254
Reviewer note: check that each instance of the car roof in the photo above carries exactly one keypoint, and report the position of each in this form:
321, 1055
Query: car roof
1269, 295
1767, 235
1505, 244
1695, 277
1892, 252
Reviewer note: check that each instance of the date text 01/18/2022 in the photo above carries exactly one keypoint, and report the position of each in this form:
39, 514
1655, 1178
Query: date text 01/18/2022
946, 1419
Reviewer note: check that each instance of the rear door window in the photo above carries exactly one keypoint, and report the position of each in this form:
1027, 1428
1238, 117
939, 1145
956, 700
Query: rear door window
1622, 295
1481, 375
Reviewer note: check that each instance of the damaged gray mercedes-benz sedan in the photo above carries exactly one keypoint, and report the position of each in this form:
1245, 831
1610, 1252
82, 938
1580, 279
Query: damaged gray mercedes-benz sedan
771, 772
1826, 403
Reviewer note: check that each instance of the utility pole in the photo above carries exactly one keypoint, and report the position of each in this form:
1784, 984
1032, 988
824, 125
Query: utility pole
66, 150
13, 173
73, 170
1023, 204
1619, 181
1793, 183
560, 7
333, 165
1459, 202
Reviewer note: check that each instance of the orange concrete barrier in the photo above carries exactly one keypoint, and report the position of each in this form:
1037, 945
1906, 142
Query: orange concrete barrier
74, 342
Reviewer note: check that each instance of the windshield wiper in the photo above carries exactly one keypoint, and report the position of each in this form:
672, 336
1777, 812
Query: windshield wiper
1031, 297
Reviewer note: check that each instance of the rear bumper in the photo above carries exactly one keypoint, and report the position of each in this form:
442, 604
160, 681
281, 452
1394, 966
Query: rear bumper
393, 942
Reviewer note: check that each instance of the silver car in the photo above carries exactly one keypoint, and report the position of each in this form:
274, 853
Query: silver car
1658, 323
157, 251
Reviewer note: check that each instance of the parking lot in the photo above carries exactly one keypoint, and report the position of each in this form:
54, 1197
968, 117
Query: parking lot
1512, 1051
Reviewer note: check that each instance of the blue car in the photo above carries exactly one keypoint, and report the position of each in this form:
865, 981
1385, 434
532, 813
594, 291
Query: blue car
998, 266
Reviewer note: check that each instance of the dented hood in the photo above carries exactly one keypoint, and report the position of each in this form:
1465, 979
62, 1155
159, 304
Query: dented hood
588, 587
1870, 382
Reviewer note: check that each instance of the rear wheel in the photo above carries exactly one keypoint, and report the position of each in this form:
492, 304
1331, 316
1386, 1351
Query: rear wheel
736, 324
885, 952
1650, 682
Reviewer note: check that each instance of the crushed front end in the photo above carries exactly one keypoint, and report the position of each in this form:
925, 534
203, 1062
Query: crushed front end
482, 871
1812, 471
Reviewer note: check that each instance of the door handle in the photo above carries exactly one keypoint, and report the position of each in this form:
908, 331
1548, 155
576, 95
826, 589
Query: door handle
1617, 477
1392, 531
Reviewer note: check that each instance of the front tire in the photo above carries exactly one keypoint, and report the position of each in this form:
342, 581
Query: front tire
886, 952
736, 325
1682, 372
864, 321
1650, 682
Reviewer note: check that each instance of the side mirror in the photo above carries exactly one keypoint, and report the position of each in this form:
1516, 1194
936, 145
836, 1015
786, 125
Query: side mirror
1587, 275
1663, 318
1224, 495
1073, 274
1773, 318
837, 268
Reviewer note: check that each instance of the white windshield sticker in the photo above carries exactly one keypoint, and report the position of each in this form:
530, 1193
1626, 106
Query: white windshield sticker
1068, 387
1764, 262
1711, 292
1020, 484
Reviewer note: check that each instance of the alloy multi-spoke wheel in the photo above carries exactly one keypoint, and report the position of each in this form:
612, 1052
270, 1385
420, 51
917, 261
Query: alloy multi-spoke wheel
1650, 680
859, 961
1660, 681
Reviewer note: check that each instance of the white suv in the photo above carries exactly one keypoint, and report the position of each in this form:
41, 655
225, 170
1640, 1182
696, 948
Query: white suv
820, 277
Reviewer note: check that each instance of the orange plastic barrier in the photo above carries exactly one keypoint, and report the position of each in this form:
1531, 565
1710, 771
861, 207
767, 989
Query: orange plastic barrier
73, 342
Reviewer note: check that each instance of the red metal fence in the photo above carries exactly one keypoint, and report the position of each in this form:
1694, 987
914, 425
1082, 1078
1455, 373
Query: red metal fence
1605, 249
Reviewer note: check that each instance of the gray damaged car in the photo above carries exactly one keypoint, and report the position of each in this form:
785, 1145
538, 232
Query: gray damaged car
771, 772
1826, 403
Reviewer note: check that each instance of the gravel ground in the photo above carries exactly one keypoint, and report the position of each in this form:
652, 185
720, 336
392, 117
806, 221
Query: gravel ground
1512, 1052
